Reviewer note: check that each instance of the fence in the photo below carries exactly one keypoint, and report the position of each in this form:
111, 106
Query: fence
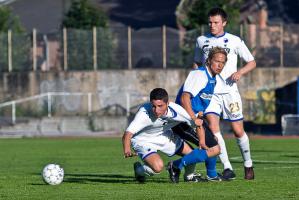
47, 104
125, 48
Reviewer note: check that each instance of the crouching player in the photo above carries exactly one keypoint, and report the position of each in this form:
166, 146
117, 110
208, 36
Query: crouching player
150, 132
195, 95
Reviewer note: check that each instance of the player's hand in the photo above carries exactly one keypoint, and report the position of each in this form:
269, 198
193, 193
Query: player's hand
203, 146
236, 76
198, 122
129, 153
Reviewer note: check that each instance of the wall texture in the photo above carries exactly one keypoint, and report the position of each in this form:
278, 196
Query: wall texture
112, 88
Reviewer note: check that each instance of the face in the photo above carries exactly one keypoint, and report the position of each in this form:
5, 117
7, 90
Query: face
216, 25
217, 63
159, 107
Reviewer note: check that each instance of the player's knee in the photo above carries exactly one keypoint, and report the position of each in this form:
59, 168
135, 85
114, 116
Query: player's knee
158, 167
214, 127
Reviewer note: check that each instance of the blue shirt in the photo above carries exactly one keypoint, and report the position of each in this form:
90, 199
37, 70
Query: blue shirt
200, 84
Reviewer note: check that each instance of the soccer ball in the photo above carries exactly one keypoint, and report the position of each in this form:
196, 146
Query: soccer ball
53, 174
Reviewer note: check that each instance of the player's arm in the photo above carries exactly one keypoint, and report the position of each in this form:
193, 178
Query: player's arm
186, 104
245, 54
244, 70
126, 140
201, 136
140, 121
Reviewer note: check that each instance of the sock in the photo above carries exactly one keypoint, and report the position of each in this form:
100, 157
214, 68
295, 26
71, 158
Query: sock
145, 170
196, 156
211, 167
189, 171
223, 153
244, 146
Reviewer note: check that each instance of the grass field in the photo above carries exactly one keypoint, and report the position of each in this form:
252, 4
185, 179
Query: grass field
96, 169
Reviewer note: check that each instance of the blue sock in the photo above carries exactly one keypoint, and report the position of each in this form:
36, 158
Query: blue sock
196, 156
211, 166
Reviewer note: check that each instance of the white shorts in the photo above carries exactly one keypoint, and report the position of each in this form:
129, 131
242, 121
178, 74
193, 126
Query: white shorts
228, 105
146, 144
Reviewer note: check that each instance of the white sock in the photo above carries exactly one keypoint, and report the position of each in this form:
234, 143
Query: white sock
244, 146
145, 170
189, 171
223, 153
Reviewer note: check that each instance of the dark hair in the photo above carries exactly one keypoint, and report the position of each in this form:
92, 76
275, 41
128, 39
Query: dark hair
159, 94
214, 51
218, 11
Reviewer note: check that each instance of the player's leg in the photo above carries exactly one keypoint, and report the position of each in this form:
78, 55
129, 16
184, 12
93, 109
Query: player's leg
196, 156
188, 134
243, 143
179, 147
147, 148
233, 105
223, 156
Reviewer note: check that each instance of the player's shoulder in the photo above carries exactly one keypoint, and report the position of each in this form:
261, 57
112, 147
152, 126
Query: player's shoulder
145, 108
175, 106
199, 71
203, 38
232, 37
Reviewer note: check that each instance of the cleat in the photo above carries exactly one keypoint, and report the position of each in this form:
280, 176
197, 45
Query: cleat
228, 174
174, 173
217, 178
139, 178
195, 178
249, 173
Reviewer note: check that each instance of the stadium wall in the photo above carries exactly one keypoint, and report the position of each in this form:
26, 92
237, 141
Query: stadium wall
259, 89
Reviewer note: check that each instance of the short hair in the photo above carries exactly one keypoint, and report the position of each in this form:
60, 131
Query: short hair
214, 51
159, 94
218, 11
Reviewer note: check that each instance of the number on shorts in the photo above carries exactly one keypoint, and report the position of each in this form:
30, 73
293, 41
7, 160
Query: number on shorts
234, 107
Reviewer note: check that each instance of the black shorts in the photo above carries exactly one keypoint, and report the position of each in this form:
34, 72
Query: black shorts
187, 133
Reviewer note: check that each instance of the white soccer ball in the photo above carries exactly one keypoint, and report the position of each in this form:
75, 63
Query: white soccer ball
53, 174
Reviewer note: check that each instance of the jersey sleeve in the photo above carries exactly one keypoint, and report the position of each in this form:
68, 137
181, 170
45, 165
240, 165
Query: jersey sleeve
181, 114
195, 82
140, 121
244, 52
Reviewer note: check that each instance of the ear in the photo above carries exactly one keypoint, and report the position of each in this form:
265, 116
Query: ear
208, 62
224, 23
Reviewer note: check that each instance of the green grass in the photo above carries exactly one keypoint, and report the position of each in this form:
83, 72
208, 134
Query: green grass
95, 169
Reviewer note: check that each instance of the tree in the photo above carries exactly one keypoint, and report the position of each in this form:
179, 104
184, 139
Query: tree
82, 15
80, 19
20, 41
9, 21
194, 15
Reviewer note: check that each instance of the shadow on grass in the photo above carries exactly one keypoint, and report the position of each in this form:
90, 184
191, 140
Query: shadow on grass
106, 178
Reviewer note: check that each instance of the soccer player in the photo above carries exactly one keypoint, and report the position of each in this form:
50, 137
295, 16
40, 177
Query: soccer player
226, 101
195, 95
150, 132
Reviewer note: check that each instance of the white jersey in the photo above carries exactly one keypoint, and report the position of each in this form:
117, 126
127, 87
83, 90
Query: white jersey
234, 46
145, 122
